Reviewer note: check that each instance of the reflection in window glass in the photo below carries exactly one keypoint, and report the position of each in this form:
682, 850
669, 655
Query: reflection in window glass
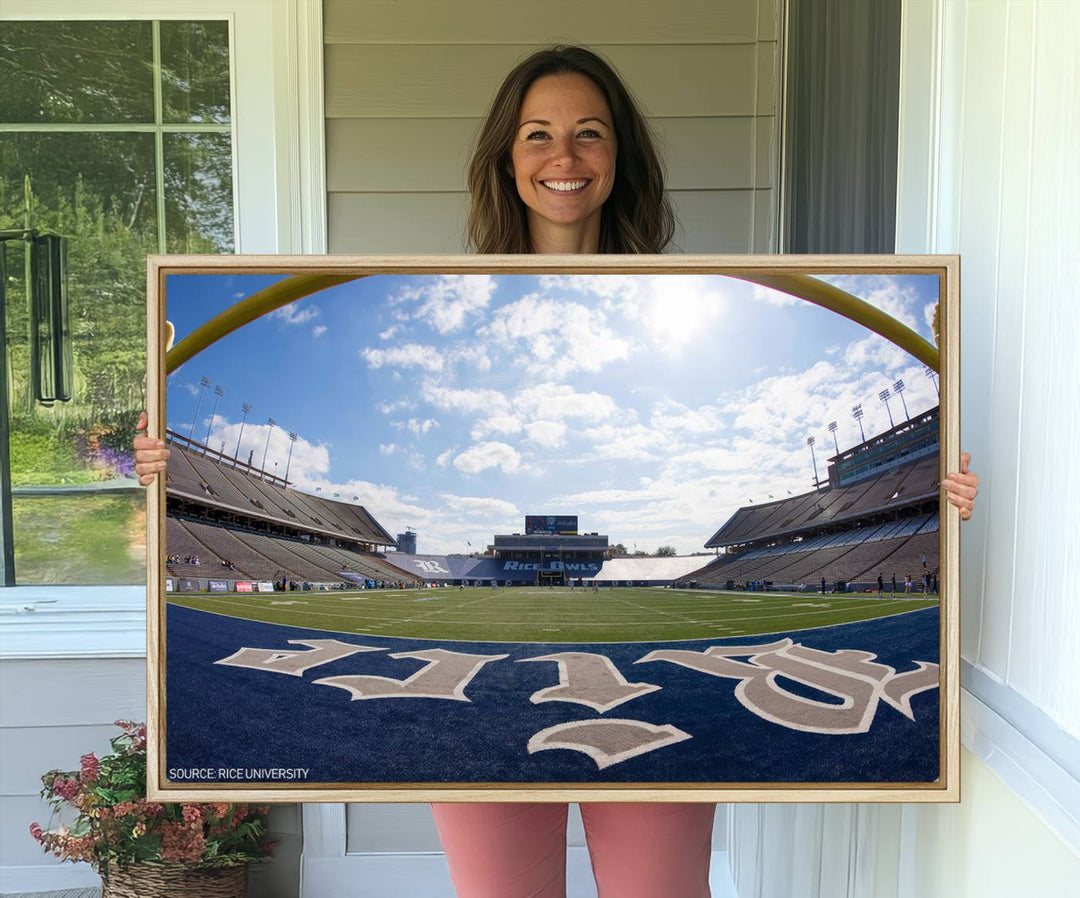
198, 193
97, 190
57, 72
195, 71
83, 539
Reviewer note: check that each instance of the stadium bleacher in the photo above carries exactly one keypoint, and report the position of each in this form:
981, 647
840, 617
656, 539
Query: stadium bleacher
226, 520
885, 524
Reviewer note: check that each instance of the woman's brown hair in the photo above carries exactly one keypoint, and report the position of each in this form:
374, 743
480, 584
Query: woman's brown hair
637, 216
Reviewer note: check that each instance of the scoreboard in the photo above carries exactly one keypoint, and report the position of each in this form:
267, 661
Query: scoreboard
564, 524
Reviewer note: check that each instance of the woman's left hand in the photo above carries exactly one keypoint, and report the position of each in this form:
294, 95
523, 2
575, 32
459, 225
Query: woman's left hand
962, 487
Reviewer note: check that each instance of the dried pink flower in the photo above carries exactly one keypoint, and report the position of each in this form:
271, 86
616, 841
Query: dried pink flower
90, 767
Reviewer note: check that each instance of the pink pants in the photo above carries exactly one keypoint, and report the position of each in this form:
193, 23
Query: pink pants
641, 850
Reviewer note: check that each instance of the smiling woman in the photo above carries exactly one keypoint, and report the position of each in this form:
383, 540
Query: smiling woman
565, 163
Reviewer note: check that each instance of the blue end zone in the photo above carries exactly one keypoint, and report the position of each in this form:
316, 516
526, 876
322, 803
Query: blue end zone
228, 717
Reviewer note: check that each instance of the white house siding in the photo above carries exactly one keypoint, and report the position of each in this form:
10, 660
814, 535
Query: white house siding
54, 711
408, 82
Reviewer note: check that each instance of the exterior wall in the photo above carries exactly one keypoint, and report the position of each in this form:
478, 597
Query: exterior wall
58, 706
991, 845
407, 85
53, 712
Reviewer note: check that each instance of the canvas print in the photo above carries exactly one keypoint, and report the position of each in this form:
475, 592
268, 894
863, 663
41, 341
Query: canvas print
506, 529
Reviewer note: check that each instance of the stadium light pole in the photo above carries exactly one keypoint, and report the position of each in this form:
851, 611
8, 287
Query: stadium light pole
272, 424
932, 374
832, 430
204, 382
884, 396
219, 391
857, 413
293, 437
810, 442
246, 406
899, 388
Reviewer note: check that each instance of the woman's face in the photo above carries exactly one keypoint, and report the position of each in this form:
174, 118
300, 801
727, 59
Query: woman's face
563, 155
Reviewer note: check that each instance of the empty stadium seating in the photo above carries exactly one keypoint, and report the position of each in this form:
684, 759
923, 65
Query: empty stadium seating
238, 525
888, 491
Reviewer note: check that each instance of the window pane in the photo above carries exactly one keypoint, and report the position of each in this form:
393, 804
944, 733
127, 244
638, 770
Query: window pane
98, 191
76, 72
82, 539
198, 193
195, 71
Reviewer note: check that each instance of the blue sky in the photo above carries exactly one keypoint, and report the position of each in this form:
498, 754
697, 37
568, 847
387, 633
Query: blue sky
651, 406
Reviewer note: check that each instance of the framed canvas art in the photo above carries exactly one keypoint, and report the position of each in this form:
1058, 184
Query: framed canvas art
553, 528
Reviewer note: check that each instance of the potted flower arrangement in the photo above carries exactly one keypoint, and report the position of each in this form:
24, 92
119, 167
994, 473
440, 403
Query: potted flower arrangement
142, 848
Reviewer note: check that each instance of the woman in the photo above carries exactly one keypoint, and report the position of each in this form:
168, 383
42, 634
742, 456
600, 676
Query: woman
565, 164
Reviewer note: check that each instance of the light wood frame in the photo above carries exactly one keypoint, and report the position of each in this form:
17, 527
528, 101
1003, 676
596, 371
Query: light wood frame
946, 789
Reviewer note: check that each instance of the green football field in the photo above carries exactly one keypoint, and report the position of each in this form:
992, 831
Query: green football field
539, 614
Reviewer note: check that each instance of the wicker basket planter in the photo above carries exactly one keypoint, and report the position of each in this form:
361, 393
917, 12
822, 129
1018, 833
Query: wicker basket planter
148, 880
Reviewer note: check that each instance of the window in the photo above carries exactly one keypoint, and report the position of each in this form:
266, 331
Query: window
118, 136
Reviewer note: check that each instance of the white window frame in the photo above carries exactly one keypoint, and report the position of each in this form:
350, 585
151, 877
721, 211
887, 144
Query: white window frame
279, 197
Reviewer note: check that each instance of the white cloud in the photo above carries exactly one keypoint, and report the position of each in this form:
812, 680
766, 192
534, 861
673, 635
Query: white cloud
387, 448
463, 401
928, 314
444, 457
416, 426
670, 415
499, 424
308, 461
410, 355
390, 332
388, 408
555, 402
633, 442
318, 330
487, 455
479, 506
391, 508
447, 302
475, 355
549, 434
296, 312
560, 337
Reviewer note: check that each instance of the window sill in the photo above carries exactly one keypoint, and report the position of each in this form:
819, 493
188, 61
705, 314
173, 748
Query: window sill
73, 622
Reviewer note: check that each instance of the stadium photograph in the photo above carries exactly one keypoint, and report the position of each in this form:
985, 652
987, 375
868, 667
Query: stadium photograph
519, 529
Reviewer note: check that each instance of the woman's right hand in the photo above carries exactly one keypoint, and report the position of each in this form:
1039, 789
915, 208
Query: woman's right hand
150, 454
